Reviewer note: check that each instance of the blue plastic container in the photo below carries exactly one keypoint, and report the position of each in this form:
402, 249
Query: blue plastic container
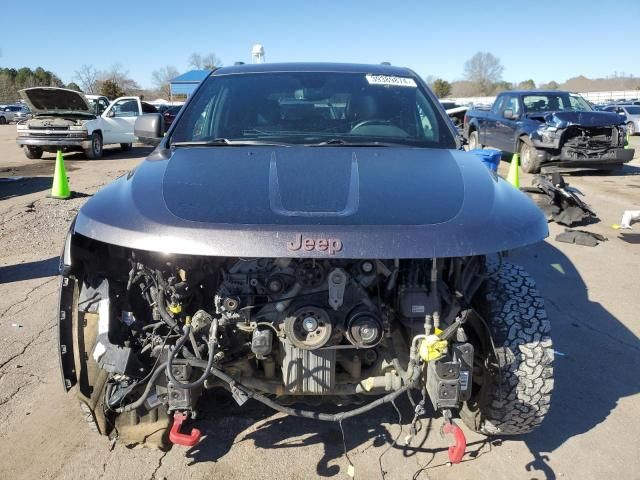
489, 156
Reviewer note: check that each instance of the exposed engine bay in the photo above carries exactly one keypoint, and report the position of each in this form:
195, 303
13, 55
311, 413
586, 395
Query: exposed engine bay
586, 142
279, 330
575, 142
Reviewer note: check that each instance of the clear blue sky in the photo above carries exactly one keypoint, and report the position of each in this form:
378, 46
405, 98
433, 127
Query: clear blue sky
544, 40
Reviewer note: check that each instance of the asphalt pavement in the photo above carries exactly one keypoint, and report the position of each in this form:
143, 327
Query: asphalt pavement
592, 297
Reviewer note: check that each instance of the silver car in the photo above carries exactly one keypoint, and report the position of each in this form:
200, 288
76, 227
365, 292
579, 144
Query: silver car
631, 112
23, 114
13, 113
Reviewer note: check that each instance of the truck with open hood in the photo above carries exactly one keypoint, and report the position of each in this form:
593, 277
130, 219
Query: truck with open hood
551, 130
64, 120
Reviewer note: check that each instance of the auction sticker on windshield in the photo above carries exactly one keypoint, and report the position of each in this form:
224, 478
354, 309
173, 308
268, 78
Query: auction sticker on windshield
390, 80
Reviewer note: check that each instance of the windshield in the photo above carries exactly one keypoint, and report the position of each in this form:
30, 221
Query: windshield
555, 102
311, 108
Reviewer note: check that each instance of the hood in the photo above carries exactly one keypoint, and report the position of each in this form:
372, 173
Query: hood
294, 201
583, 119
50, 100
302, 185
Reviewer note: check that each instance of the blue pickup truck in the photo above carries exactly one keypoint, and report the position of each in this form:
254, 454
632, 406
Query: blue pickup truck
551, 130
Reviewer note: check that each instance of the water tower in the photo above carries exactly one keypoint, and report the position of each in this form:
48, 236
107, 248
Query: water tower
257, 53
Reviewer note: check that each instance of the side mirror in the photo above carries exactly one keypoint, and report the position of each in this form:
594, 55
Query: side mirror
509, 115
111, 113
149, 128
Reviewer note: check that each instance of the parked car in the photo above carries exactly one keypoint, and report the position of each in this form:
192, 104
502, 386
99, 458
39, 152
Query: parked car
23, 114
12, 113
551, 129
64, 120
313, 254
169, 115
630, 114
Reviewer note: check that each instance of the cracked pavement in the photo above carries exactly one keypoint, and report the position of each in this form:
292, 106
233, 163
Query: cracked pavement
592, 297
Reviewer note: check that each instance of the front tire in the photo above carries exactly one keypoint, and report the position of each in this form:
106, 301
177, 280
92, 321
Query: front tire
141, 426
474, 140
94, 152
529, 160
32, 153
631, 129
511, 393
3, 121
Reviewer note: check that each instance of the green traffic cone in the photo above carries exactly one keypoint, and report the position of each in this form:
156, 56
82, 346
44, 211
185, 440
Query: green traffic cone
513, 176
60, 188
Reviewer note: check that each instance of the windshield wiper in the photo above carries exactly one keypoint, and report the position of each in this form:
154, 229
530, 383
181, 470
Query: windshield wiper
225, 142
341, 142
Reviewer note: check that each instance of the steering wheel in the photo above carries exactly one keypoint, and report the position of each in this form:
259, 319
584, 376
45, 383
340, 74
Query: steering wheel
372, 121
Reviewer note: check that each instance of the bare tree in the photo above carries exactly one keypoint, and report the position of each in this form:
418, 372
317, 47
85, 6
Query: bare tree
209, 61
485, 70
88, 78
119, 77
162, 77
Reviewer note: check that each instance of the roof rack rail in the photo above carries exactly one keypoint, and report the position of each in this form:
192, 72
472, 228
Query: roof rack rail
385, 63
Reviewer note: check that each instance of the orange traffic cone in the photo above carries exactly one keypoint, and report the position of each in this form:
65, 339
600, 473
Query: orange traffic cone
60, 188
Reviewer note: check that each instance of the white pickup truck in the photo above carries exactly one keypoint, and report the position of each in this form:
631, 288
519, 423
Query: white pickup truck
64, 120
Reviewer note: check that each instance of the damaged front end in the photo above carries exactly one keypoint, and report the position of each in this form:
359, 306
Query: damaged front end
143, 335
580, 139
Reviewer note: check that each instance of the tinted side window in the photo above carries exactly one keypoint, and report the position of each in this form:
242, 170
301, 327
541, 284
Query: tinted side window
511, 103
125, 108
497, 106
148, 108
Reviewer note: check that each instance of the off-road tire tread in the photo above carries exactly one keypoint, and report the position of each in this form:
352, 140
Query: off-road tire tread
520, 396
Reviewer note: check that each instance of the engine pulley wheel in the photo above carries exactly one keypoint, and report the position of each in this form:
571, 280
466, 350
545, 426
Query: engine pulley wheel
364, 330
310, 274
309, 328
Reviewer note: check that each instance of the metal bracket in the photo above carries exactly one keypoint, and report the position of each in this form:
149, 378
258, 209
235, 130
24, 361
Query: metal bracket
337, 283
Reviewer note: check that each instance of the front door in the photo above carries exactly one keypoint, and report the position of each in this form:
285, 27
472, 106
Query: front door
505, 130
119, 120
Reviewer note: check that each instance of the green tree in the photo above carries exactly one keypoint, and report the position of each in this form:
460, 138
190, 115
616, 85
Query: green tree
8, 92
527, 85
110, 89
74, 86
441, 88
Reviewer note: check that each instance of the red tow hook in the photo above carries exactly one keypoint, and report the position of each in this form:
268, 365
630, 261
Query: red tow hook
188, 440
456, 451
